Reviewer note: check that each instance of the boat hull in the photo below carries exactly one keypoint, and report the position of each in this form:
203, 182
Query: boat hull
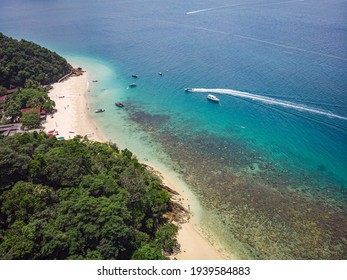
212, 98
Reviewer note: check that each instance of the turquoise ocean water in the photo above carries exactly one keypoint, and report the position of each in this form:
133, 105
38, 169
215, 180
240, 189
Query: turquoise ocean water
269, 163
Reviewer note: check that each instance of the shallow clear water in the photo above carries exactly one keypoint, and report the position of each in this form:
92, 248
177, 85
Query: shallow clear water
263, 165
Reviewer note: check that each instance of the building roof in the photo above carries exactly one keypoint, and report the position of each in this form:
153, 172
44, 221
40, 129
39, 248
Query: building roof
28, 109
10, 129
9, 91
2, 99
41, 112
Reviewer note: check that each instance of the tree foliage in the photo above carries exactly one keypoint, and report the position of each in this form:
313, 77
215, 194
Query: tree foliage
27, 98
24, 64
78, 199
31, 119
22, 61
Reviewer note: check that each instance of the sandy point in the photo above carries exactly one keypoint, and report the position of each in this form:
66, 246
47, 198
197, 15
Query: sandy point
194, 244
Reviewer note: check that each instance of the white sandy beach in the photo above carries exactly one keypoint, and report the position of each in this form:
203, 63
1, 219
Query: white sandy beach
72, 115
73, 118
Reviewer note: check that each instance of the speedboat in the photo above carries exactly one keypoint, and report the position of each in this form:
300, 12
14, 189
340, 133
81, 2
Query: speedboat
99, 110
134, 75
120, 104
132, 85
188, 89
212, 98
160, 74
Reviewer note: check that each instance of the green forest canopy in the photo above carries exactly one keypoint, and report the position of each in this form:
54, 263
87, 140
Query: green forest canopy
71, 199
23, 61
27, 65
27, 98
79, 199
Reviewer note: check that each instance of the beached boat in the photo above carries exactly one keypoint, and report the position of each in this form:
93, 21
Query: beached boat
132, 85
134, 76
119, 104
99, 110
188, 89
212, 98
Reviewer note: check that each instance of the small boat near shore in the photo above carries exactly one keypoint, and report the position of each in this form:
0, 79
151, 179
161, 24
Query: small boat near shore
212, 98
132, 85
99, 110
119, 104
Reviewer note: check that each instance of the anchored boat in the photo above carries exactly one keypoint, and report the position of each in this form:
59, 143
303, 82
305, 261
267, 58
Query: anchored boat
119, 104
212, 98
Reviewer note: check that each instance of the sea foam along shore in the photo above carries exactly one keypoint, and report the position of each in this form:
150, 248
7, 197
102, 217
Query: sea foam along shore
73, 117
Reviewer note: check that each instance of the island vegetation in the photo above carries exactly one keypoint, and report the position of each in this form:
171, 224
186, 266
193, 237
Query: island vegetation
24, 63
79, 199
26, 70
73, 199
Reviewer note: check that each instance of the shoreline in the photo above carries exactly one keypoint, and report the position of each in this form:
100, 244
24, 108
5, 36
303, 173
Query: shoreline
72, 110
73, 117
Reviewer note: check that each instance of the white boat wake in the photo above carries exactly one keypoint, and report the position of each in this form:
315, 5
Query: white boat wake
202, 10
269, 100
238, 5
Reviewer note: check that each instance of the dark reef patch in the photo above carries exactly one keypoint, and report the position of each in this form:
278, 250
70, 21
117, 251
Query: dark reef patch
151, 121
274, 211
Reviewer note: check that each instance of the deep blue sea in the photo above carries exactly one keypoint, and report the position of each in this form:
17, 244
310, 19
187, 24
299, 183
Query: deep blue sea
269, 162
